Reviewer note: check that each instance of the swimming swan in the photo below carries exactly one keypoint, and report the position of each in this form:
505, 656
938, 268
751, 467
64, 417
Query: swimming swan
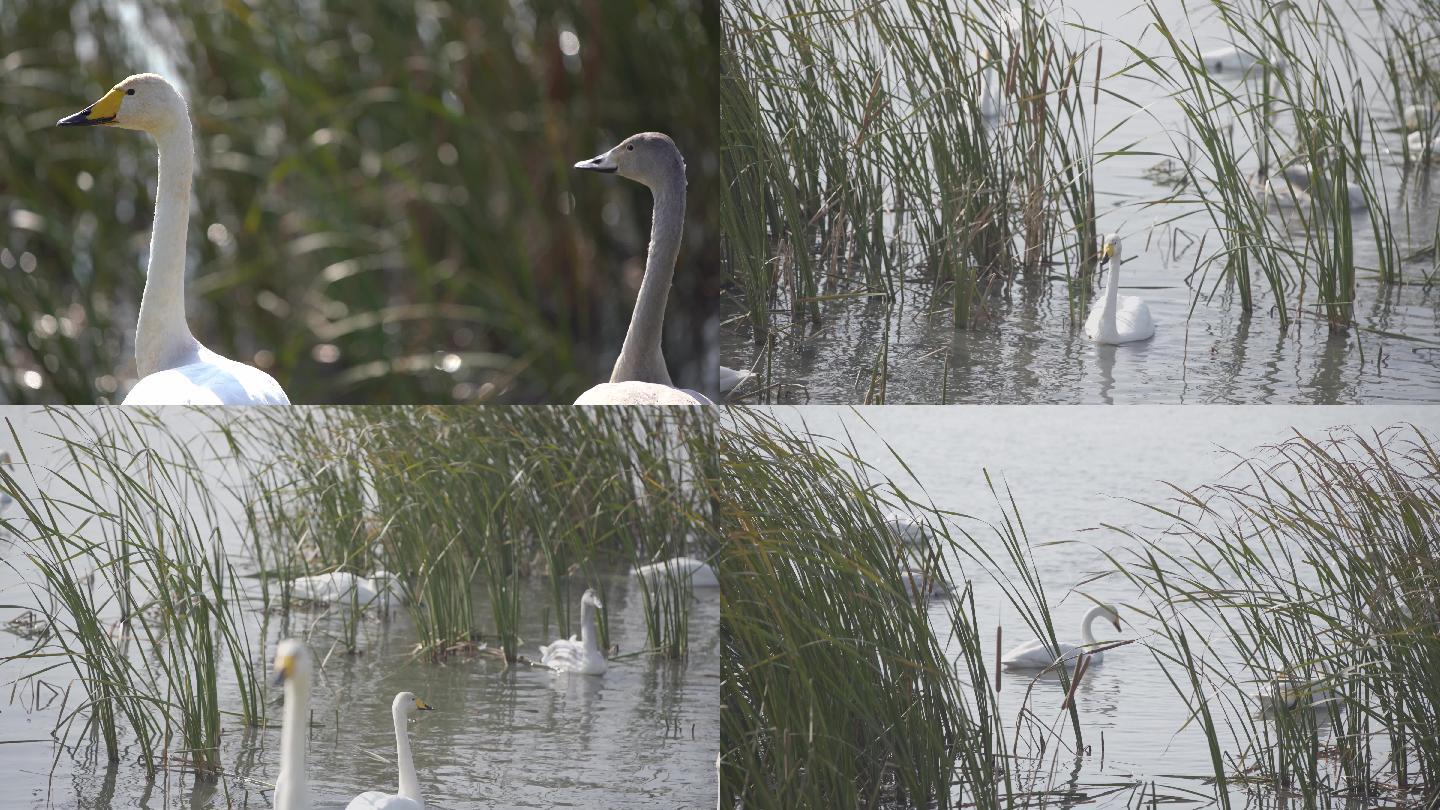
1034, 655
730, 379
579, 655
1118, 319
292, 670
924, 586
340, 587
640, 376
174, 368
1416, 142
405, 705
699, 572
1234, 59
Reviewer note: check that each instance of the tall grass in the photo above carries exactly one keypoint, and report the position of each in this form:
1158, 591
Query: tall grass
862, 157
1315, 566
144, 611
384, 206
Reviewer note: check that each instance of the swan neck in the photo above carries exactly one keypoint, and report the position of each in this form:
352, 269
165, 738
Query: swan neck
589, 635
409, 785
1086, 635
640, 357
293, 787
162, 338
1112, 296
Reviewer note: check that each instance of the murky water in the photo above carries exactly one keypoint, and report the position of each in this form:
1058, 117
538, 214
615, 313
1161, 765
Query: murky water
643, 735
1030, 349
1072, 469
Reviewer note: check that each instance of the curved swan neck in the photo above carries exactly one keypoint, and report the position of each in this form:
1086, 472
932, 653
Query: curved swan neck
162, 338
589, 635
640, 357
409, 785
1085, 634
293, 787
1112, 297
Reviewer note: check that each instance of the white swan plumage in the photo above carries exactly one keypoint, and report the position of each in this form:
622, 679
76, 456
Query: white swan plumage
342, 587
731, 379
292, 670
1290, 188
1118, 319
699, 572
1416, 142
923, 585
1235, 59
908, 531
1035, 654
579, 654
401, 709
174, 368
640, 376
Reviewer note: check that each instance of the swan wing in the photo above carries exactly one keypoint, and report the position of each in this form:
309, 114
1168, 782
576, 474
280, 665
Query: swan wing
1133, 321
212, 380
375, 800
640, 393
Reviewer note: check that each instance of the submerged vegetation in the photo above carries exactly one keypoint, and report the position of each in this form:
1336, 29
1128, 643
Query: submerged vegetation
384, 205
1308, 575
159, 550
938, 162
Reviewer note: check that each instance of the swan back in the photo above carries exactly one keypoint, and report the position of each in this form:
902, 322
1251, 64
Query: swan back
640, 393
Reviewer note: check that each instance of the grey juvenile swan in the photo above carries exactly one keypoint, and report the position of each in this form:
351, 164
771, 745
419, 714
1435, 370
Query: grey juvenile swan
640, 376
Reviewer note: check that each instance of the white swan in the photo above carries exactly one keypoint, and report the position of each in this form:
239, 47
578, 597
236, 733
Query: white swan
1419, 116
1234, 59
1118, 319
340, 587
1416, 142
1035, 655
699, 572
730, 379
640, 376
405, 705
174, 368
907, 530
292, 670
925, 586
1291, 694
581, 654
1290, 188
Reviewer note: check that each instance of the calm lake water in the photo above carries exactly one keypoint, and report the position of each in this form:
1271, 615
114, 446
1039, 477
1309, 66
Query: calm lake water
643, 735
1072, 469
1031, 351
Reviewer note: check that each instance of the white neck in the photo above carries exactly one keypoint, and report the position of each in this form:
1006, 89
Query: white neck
409, 785
1112, 296
589, 635
640, 356
1095, 612
162, 338
292, 787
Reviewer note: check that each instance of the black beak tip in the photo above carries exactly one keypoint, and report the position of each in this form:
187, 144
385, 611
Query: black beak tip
82, 119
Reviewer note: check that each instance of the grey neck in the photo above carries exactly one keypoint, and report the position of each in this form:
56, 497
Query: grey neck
162, 338
640, 357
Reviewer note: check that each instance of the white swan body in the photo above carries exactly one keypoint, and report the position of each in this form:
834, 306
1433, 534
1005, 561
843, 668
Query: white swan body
730, 379
1035, 654
340, 587
907, 530
640, 376
1419, 116
1234, 59
1118, 319
579, 655
174, 368
292, 670
924, 586
699, 572
1291, 695
409, 798
1416, 142
641, 393
1290, 188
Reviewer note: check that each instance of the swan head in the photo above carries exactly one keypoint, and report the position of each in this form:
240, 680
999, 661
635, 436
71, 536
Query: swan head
1110, 614
292, 662
144, 102
647, 158
591, 599
1110, 248
407, 703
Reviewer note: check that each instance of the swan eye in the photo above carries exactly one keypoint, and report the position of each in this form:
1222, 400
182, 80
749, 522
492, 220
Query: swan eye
130, 92
630, 148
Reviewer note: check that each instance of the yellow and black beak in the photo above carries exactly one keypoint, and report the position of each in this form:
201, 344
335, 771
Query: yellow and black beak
423, 706
284, 668
99, 113
1107, 252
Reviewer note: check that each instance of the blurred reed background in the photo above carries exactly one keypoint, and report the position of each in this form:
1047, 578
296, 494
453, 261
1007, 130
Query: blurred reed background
384, 206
